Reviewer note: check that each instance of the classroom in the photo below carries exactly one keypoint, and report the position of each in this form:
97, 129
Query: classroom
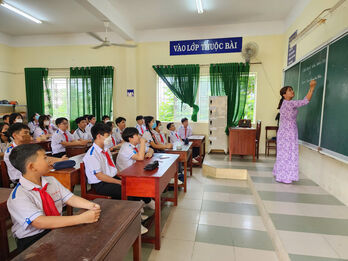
174, 130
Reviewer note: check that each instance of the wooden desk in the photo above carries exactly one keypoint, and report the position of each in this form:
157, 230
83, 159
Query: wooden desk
198, 141
45, 144
242, 141
138, 182
185, 156
72, 151
4, 215
108, 239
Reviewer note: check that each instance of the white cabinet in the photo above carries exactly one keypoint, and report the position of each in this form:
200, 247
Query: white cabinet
218, 140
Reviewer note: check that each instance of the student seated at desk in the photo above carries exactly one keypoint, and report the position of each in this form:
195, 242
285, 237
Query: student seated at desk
33, 122
149, 135
91, 121
43, 130
63, 138
184, 130
52, 127
173, 135
101, 170
140, 124
81, 133
105, 118
133, 149
21, 135
160, 137
15, 118
37, 202
112, 146
120, 126
6, 119
4, 137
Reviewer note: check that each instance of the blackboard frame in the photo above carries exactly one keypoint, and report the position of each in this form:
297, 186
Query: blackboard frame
318, 148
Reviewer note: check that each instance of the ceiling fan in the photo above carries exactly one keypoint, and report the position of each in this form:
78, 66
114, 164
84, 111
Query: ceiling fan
105, 41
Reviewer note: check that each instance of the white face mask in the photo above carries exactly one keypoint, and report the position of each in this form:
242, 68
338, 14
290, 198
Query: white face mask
18, 121
46, 123
108, 142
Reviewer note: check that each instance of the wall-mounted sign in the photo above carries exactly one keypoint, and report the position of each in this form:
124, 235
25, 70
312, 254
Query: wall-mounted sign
292, 50
206, 46
130, 92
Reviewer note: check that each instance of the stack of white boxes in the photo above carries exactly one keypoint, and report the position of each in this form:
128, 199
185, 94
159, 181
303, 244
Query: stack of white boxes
218, 140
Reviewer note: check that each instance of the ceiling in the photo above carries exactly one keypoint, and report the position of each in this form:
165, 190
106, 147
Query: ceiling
70, 16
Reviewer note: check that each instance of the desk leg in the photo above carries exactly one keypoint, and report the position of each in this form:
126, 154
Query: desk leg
157, 218
191, 163
185, 176
4, 250
137, 249
123, 189
176, 188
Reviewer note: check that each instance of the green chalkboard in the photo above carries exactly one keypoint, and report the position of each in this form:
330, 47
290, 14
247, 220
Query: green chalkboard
335, 118
291, 77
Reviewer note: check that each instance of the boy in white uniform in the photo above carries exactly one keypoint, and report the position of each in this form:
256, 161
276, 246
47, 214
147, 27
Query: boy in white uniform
99, 166
105, 118
184, 130
63, 138
91, 121
81, 133
160, 137
37, 202
140, 124
173, 135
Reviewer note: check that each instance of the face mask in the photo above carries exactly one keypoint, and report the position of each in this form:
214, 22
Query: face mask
154, 125
108, 141
37, 117
18, 121
46, 123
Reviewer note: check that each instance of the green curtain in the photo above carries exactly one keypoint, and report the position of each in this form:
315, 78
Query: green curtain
183, 81
231, 79
91, 91
34, 86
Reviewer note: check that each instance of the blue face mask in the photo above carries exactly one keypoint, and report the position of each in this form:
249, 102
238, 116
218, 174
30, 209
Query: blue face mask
37, 117
154, 125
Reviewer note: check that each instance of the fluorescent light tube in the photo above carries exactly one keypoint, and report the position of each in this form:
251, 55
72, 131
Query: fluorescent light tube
199, 6
13, 9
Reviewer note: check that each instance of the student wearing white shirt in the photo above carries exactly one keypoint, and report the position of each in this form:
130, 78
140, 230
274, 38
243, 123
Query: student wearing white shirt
133, 149
149, 135
4, 137
15, 118
120, 126
37, 202
184, 130
91, 121
113, 146
34, 122
99, 166
21, 135
63, 138
80, 133
140, 124
173, 135
160, 137
105, 118
43, 130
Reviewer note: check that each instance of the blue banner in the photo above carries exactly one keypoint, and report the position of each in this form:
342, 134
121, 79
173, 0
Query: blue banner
206, 46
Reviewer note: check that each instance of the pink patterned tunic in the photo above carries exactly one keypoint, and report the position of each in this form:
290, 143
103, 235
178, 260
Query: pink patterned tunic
286, 167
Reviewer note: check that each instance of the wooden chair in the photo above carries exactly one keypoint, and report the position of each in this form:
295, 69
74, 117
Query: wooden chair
4, 175
270, 143
87, 194
244, 123
257, 140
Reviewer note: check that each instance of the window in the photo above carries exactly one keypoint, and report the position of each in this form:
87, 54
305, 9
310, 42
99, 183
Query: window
169, 108
59, 93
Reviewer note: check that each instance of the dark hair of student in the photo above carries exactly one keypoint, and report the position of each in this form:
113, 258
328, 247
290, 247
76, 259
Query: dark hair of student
13, 117
79, 119
109, 123
100, 128
2, 124
129, 132
282, 92
119, 120
21, 155
33, 116
105, 117
60, 120
17, 127
90, 117
85, 116
158, 123
169, 125
147, 120
139, 117
183, 120
43, 118
5, 117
